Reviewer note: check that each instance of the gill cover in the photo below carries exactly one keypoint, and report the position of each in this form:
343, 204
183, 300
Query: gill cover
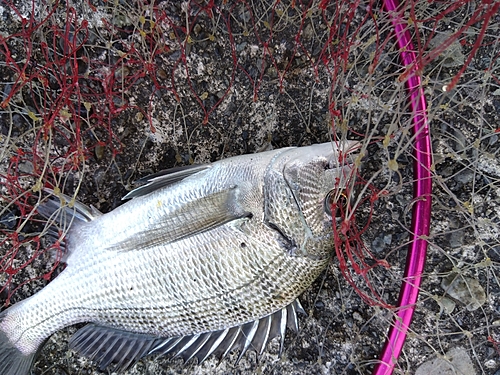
296, 185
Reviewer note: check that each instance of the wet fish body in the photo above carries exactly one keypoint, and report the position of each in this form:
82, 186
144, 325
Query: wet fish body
202, 260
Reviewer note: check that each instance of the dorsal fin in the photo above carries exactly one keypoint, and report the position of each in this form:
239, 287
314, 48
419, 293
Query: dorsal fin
62, 213
121, 349
164, 178
62, 208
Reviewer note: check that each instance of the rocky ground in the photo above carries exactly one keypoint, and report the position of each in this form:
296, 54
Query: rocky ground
175, 84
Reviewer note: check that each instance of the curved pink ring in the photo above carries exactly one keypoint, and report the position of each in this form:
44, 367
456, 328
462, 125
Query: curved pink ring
422, 189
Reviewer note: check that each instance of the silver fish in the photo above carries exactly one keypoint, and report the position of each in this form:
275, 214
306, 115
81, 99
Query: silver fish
202, 261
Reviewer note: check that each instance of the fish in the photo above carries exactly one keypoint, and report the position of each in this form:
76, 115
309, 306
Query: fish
201, 260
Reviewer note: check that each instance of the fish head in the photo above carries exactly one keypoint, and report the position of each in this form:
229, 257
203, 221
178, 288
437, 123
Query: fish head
301, 185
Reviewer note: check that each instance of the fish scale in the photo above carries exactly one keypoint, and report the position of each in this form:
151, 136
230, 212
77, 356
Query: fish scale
199, 262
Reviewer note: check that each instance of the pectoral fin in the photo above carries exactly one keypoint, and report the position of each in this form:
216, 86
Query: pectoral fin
189, 219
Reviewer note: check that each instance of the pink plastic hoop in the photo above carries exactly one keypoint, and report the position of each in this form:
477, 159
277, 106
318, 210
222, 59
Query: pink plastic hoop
422, 189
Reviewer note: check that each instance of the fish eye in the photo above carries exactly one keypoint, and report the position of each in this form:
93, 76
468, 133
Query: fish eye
338, 200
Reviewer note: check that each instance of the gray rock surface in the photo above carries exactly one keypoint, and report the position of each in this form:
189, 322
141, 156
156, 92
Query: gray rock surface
170, 83
455, 362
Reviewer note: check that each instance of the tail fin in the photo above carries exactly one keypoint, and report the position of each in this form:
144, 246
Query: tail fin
12, 360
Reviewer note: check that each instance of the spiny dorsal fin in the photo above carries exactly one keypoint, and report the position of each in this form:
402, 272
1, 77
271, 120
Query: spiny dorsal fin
121, 349
164, 178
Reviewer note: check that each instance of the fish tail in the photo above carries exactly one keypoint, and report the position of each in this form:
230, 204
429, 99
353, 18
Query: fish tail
12, 360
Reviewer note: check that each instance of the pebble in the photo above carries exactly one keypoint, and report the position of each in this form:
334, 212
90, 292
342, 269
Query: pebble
455, 361
26, 167
465, 290
8, 219
121, 72
453, 55
446, 305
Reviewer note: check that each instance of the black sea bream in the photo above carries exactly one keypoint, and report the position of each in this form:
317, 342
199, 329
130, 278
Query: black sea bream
202, 260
